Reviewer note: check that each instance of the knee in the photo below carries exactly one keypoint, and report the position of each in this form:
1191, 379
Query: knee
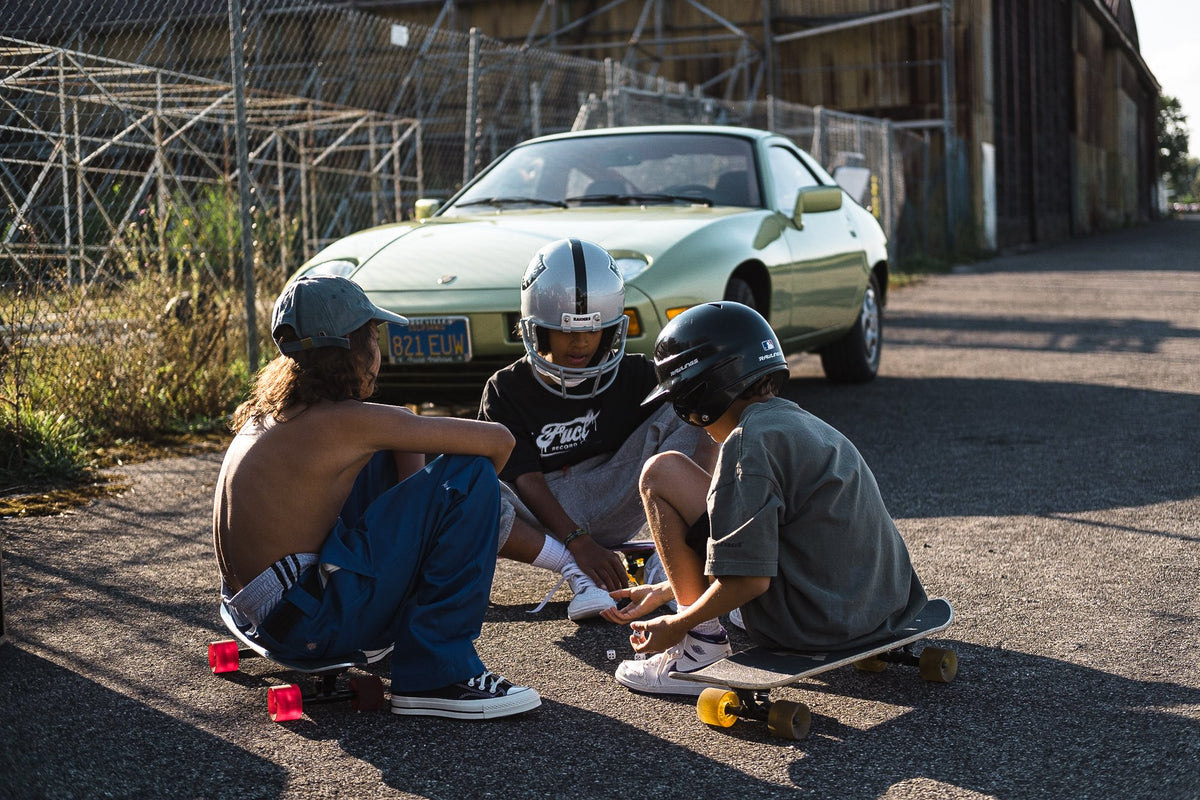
656, 472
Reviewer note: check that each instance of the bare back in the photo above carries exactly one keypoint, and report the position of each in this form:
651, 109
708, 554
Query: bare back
283, 483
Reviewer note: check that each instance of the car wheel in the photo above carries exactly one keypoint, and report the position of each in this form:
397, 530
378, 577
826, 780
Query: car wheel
739, 291
855, 357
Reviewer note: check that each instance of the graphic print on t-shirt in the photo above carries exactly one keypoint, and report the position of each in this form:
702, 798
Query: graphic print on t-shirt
558, 437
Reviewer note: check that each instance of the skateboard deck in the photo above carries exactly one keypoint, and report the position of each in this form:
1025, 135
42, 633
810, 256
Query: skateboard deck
749, 675
365, 692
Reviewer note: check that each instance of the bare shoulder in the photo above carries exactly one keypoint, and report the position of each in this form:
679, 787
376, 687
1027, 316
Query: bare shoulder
351, 412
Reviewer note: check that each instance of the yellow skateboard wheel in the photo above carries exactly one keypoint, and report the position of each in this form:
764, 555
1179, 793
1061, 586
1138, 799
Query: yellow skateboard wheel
871, 664
938, 665
718, 707
789, 720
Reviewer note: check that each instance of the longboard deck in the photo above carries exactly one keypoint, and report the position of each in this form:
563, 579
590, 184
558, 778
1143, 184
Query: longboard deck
758, 668
358, 659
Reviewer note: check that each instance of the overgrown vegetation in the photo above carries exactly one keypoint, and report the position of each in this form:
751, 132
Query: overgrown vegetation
1181, 171
156, 349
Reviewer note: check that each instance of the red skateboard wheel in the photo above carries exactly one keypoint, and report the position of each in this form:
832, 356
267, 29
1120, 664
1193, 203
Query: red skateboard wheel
368, 693
223, 656
284, 703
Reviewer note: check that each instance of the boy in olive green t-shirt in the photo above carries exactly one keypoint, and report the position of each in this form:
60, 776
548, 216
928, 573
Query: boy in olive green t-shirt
790, 527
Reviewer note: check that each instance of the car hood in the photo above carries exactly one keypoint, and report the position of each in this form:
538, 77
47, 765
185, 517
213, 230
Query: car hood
492, 251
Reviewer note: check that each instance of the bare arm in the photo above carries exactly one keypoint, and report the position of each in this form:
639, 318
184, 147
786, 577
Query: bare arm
722, 596
397, 429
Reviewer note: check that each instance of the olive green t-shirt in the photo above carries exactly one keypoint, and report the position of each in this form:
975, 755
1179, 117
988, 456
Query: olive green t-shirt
792, 499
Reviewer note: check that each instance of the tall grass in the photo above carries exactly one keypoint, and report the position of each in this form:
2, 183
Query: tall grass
157, 347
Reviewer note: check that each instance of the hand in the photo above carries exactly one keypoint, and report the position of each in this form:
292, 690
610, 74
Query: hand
599, 563
643, 599
656, 635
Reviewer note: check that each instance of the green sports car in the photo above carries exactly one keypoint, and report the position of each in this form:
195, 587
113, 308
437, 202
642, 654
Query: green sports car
689, 213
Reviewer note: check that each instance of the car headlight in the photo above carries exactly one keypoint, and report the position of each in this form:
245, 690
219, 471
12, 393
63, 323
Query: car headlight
341, 267
631, 264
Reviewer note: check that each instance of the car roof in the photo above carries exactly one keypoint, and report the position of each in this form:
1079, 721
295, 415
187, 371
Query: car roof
723, 130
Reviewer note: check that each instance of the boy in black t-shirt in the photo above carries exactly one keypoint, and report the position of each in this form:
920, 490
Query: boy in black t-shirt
573, 403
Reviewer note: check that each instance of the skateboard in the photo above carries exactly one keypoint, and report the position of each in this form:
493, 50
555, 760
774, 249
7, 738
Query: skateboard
636, 553
741, 683
365, 692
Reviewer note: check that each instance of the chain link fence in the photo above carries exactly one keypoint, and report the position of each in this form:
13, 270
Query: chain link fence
128, 300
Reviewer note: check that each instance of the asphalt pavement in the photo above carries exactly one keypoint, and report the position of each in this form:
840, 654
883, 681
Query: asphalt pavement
1035, 429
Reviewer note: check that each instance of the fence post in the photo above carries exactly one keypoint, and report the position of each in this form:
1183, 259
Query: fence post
535, 108
610, 91
472, 106
948, 109
64, 159
243, 167
818, 134
889, 195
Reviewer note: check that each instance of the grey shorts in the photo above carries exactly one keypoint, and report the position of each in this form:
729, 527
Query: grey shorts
601, 493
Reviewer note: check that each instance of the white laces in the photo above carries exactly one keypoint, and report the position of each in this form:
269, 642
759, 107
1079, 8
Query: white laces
549, 594
487, 681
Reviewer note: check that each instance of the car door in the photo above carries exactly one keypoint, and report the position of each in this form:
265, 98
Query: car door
826, 273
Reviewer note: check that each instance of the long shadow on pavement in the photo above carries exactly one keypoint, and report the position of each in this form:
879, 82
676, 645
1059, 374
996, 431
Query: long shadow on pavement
962, 447
127, 748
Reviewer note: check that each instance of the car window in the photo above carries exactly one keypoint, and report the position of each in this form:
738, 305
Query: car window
716, 168
789, 175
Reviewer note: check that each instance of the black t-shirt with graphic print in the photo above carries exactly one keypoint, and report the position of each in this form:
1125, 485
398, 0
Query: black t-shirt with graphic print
554, 432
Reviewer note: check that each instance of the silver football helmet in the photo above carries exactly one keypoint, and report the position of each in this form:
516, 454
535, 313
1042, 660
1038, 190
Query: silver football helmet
573, 285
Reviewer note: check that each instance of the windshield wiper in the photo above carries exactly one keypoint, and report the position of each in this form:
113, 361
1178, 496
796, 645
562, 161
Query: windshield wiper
625, 199
512, 201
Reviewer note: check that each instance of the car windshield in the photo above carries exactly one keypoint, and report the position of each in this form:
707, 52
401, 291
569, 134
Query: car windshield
622, 169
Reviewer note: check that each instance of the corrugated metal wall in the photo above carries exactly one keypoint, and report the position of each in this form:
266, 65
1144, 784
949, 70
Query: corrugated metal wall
1115, 131
1033, 89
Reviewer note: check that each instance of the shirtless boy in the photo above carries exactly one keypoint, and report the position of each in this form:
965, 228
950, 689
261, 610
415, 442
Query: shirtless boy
333, 535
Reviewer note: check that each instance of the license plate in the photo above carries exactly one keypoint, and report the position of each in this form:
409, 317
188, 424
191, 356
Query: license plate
430, 340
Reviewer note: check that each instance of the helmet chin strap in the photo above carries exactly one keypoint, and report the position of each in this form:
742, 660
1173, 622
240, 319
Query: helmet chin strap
570, 383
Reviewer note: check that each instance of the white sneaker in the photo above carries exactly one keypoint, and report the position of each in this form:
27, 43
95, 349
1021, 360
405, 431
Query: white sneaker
589, 598
653, 675
735, 619
589, 603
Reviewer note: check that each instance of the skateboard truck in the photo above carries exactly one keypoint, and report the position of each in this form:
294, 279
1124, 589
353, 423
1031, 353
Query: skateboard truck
721, 708
789, 719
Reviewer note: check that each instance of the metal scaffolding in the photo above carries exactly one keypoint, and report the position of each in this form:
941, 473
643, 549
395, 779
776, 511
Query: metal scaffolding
98, 155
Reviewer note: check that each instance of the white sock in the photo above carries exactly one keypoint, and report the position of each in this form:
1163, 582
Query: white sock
554, 555
710, 627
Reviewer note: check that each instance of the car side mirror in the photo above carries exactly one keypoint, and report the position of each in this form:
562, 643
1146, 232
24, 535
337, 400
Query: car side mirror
425, 207
815, 200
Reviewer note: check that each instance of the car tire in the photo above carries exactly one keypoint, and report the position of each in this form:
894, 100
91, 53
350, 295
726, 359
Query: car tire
855, 357
739, 291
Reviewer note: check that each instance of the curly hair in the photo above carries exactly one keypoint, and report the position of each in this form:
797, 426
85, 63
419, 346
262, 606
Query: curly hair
310, 376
